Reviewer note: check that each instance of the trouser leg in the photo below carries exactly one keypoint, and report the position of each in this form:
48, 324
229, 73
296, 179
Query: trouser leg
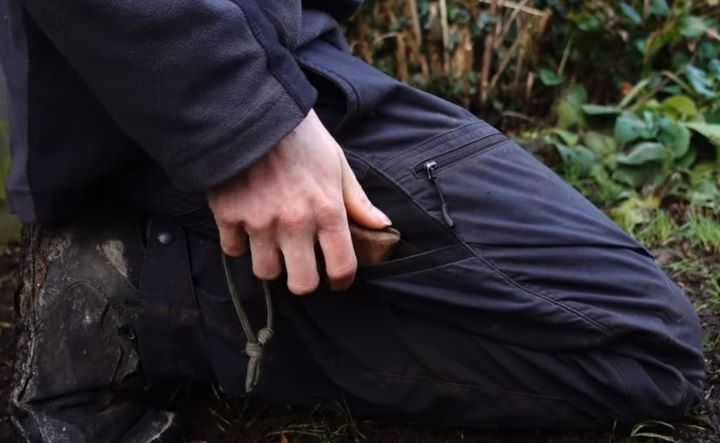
517, 303
78, 376
532, 309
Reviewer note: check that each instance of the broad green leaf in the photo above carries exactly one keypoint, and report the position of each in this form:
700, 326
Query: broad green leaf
705, 191
610, 190
628, 127
659, 8
603, 145
674, 136
589, 23
569, 138
714, 68
637, 176
693, 27
578, 159
706, 168
711, 118
635, 211
631, 13
568, 108
601, 110
683, 106
687, 160
550, 78
710, 131
700, 82
644, 153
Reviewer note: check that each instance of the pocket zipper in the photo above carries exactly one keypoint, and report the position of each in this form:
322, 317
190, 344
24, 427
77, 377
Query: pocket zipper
430, 168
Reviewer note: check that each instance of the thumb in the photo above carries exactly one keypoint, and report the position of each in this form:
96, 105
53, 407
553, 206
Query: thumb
358, 205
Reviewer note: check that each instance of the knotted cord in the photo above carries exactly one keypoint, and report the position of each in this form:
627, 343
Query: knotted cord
254, 343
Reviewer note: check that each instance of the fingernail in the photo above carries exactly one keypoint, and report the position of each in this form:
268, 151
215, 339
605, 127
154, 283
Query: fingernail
381, 215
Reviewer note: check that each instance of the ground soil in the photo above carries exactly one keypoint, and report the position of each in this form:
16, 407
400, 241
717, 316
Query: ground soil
222, 420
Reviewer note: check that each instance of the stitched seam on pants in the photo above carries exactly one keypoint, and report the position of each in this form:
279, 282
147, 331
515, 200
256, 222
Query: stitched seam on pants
536, 293
513, 279
450, 137
495, 269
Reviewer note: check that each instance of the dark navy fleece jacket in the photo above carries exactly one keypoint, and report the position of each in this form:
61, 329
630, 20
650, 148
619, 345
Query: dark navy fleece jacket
202, 87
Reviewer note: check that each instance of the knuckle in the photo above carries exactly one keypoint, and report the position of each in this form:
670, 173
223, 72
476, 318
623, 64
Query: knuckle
295, 221
258, 224
224, 218
329, 214
343, 270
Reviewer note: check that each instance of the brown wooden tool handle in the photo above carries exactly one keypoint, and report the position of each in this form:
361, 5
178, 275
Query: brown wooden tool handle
373, 246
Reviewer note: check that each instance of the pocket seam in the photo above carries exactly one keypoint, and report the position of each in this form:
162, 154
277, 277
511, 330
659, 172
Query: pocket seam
380, 271
505, 276
491, 266
472, 155
414, 150
460, 244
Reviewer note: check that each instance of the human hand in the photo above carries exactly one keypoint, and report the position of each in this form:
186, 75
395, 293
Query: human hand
301, 193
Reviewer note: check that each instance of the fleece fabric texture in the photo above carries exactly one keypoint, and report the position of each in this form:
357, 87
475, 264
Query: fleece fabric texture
98, 87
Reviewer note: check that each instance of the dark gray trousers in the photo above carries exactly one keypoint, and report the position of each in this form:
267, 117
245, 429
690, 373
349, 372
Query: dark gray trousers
511, 301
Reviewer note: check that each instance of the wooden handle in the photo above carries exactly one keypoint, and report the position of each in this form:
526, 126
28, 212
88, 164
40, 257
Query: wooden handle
373, 246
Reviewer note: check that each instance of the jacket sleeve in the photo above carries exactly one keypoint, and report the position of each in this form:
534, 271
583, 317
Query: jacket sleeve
204, 86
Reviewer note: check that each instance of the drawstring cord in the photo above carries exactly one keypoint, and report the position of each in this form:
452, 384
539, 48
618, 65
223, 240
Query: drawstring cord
371, 247
255, 344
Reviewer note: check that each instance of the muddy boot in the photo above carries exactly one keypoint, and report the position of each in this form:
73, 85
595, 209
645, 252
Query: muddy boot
78, 376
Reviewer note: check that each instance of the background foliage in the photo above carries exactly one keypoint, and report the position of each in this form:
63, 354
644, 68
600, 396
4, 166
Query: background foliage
621, 97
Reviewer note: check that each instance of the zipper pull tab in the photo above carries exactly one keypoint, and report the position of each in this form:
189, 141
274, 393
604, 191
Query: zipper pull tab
430, 169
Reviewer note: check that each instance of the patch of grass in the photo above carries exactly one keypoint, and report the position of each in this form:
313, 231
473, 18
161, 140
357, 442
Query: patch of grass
712, 286
689, 266
702, 232
711, 342
653, 430
339, 425
660, 228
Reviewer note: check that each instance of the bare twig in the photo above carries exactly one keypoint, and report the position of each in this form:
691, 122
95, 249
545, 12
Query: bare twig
504, 63
513, 5
384, 36
508, 24
488, 56
445, 34
566, 54
417, 30
529, 87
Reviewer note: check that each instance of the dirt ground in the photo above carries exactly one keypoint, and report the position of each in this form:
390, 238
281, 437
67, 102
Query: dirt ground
229, 421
